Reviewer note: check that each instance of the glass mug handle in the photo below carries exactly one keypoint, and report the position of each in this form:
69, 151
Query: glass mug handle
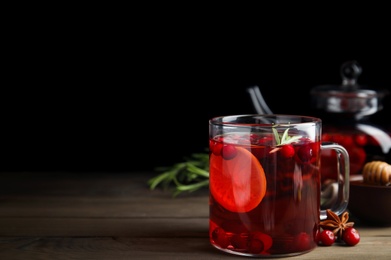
343, 170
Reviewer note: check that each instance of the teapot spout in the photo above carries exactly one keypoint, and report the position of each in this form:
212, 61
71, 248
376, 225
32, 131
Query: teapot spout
258, 101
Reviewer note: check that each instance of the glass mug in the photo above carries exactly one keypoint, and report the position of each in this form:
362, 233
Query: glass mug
265, 184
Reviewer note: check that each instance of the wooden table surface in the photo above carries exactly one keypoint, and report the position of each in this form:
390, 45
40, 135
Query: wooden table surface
115, 216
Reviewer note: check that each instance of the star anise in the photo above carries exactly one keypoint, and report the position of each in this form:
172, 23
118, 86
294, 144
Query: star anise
335, 223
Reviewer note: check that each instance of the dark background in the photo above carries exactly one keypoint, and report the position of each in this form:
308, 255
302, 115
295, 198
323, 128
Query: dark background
95, 97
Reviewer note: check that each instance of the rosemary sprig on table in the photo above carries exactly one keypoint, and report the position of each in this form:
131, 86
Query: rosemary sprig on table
190, 175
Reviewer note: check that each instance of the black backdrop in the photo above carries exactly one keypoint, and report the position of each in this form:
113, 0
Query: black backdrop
120, 102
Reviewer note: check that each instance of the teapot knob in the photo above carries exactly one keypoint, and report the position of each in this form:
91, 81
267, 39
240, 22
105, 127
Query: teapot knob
350, 71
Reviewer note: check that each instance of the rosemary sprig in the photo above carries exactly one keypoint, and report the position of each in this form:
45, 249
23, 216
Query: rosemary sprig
285, 138
190, 175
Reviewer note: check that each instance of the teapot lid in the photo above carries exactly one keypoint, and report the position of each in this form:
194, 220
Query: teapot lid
349, 97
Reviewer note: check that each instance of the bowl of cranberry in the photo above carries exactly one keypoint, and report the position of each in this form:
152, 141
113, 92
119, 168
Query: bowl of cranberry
370, 195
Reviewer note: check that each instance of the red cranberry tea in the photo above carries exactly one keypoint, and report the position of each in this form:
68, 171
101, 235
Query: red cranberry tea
264, 181
264, 197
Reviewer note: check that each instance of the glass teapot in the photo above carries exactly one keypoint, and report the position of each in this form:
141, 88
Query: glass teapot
346, 112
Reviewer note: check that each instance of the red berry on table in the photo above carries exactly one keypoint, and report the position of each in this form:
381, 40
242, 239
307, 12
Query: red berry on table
326, 238
351, 236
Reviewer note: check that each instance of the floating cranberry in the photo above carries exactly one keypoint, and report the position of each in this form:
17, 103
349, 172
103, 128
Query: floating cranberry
220, 237
361, 139
351, 236
287, 151
326, 238
217, 149
215, 145
302, 241
228, 152
305, 153
255, 246
239, 241
266, 239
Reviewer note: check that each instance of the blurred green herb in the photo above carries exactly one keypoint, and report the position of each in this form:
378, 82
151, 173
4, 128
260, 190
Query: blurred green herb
190, 175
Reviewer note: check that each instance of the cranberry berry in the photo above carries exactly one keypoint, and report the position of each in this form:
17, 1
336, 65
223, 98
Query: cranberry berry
302, 241
326, 238
220, 237
259, 242
287, 151
228, 152
305, 153
351, 236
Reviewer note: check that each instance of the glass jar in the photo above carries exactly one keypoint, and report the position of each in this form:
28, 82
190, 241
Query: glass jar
346, 112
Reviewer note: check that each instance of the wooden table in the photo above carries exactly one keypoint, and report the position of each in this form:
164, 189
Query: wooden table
115, 216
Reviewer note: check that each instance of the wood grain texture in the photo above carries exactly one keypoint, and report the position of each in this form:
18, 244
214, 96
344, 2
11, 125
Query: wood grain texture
116, 216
